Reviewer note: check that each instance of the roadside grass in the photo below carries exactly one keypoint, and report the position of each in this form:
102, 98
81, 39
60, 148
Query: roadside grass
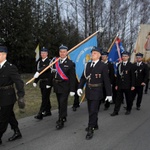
33, 99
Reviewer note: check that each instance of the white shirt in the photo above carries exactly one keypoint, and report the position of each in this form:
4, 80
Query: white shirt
1, 64
44, 59
139, 63
124, 62
95, 62
62, 60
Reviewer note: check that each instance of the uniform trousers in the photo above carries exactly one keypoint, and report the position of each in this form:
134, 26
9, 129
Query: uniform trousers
76, 100
119, 99
139, 91
62, 99
7, 116
93, 108
46, 104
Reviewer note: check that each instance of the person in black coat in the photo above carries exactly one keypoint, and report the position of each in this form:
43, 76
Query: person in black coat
45, 84
104, 59
64, 82
125, 84
95, 76
141, 77
8, 77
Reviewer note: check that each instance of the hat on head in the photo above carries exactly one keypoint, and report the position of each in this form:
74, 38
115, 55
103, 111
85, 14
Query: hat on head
63, 47
3, 49
43, 49
139, 55
125, 53
104, 53
96, 49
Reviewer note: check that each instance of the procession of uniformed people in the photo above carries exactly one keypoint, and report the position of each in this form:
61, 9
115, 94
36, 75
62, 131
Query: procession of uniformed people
98, 76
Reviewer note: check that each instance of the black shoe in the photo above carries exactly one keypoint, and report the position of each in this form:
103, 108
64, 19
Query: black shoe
105, 108
114, 113
16, 135
128, 112
39, 116
0, 141
74, 108
60, 124
138, 108
90, 133
95, 128
125, 107
45, 114
64, 119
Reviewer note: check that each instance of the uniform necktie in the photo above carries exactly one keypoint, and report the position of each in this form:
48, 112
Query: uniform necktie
92, 66
138, 64
124, 64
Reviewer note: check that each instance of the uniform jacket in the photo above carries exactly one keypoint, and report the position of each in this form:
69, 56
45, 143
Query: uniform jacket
125, 76
68, 67
46, 77
9, 76
111, 72
141, 73
99, 75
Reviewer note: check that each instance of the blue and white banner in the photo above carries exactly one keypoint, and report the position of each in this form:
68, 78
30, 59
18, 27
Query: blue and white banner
82, 55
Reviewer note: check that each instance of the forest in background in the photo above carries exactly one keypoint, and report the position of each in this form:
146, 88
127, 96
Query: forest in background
50, 23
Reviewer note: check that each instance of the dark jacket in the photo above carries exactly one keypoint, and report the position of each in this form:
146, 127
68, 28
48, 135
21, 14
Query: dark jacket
68, 68
125, 76
8, 77
141, 73
99, 75
46, 77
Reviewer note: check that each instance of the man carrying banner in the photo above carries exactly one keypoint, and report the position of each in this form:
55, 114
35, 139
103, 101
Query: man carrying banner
125, 83
64, 81
94, 75
45, 80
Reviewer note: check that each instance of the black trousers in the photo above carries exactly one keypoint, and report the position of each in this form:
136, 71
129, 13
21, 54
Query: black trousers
93, 108
62, 99
45, 104
139, 91
7, 116
76, 100
119, 99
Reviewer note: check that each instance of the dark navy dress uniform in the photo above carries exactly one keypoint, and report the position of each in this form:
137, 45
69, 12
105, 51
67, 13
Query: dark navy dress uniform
141, 76
63, 87
95, 80
125, 80
9, 77
45, 79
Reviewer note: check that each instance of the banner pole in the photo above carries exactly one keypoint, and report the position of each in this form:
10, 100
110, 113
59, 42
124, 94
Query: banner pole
51, 64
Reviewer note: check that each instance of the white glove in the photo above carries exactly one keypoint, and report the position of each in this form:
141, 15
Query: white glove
108, 98
79, 92
47, 86
72, 93
36, 75
34, 84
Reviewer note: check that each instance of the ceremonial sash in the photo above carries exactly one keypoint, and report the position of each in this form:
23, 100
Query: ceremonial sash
60, 72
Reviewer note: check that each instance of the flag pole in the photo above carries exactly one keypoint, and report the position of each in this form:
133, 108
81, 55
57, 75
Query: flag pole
112, 43
51, 64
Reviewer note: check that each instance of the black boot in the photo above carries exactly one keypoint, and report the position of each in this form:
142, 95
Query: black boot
90, 133
39, 116
45, 114
64, 119
0, 141
16, 135
60, 124
95, 128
